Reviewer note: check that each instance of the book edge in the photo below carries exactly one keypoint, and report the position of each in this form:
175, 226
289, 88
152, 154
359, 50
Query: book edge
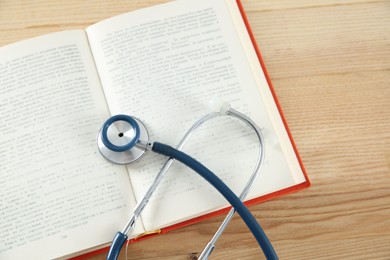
263, 67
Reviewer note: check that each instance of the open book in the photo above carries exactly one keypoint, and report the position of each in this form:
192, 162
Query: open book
60, 198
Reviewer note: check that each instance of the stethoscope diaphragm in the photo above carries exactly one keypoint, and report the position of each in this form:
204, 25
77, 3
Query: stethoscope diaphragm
118, 139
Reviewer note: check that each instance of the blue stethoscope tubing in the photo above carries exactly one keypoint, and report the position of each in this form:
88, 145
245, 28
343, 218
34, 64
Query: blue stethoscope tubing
225, 191
187, 160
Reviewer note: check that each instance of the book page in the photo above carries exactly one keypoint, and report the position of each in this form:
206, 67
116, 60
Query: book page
163, 65
58, 195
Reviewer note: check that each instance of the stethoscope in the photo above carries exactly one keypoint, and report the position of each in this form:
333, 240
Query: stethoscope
124, 139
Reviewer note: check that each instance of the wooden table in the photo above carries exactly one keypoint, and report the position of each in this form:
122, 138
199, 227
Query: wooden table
330, 65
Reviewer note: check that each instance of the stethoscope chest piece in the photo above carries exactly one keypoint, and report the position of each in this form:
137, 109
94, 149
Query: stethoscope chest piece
120, 137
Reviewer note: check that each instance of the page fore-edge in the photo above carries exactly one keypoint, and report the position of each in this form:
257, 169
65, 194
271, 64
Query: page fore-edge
254, 201
307, 182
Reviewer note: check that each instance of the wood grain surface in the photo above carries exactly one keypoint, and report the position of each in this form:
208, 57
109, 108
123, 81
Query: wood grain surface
330, 65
